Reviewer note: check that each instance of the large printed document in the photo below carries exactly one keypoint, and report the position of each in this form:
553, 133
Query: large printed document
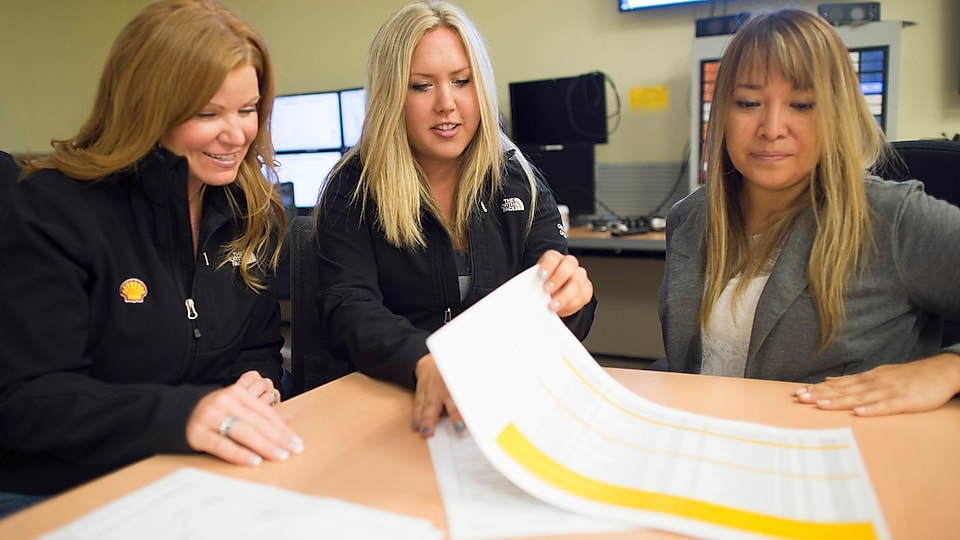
192, 504
553, 422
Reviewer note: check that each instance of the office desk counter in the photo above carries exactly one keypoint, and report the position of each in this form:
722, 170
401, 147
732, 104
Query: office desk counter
584, 238
626, 272
359, 447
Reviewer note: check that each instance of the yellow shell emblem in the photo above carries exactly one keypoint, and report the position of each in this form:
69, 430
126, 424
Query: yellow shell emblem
133, 291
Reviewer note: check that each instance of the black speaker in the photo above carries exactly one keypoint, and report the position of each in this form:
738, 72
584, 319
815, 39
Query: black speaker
850, 12
722, 25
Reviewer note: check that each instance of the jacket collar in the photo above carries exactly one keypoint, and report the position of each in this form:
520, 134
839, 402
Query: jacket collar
163, 177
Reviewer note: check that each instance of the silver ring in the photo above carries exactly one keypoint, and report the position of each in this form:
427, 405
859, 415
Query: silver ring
226, 425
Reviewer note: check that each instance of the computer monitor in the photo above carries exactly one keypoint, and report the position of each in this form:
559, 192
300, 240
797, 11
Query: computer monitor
307, 171
871, 66
306, 122
570, 171
560, 111
874, 49
352, 109
631, 5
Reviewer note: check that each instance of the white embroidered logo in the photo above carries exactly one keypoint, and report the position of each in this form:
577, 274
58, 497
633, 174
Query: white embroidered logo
513, 204
563, 232
234, 258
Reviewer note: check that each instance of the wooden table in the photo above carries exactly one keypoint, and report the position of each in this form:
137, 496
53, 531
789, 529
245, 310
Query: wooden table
360, 448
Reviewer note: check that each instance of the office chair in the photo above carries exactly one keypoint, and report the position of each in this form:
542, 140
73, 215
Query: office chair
311, 364
9, 173
936, 163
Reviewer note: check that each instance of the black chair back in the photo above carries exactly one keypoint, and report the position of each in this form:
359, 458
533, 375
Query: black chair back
310, 363
936, 163
9, 172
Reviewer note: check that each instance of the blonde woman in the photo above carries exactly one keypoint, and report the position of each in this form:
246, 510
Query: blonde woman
138, 313
792, 263
432, 210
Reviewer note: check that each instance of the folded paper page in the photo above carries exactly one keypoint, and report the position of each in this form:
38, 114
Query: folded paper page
481, 504
551, 420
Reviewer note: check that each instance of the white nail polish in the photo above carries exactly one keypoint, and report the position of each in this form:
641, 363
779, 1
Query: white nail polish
296, 445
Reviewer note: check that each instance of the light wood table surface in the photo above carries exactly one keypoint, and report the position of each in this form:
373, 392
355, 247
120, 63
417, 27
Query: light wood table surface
360, 448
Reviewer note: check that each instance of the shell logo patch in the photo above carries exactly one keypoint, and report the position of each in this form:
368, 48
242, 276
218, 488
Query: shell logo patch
133, 291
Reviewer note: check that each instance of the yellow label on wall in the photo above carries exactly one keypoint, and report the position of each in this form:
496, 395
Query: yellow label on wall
645, 99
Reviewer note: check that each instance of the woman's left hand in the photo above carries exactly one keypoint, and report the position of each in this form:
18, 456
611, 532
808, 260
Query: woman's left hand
259, 387
921, 385
567, 282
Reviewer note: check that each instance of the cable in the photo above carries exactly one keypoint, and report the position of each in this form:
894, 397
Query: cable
589, 95
683, 172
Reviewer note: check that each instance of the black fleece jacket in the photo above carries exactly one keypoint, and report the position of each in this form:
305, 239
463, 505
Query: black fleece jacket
379, 303
100, 364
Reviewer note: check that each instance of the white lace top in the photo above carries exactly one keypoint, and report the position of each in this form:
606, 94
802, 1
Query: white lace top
725, 347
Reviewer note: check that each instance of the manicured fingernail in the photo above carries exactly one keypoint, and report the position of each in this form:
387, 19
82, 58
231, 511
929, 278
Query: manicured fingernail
281, 454
543, 274
555, 305
425, 429
416, 424
800, 391
823, 402
458, 426
255, 461
860, 410
550, 286
296, 445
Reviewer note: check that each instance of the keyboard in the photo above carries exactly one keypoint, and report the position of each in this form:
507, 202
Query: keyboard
633, 225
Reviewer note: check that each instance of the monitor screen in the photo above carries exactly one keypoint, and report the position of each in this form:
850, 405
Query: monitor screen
870, 64
630, 5
352, 108
304, 122
307, 171
570, 171
559, 111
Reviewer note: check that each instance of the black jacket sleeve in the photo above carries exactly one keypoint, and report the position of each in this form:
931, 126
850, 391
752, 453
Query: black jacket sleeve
357, 324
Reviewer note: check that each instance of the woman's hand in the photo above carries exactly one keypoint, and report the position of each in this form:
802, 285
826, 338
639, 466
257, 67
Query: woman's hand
567, 282
922, 385
238, 424
431, 398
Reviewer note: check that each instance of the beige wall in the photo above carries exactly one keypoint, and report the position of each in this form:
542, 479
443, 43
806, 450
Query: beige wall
47, 87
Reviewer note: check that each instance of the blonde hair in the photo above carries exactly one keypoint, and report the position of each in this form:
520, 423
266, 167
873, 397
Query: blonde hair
390, 176
809, 52
163, 68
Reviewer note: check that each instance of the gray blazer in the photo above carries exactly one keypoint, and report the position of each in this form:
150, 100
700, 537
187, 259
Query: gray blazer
894, 308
